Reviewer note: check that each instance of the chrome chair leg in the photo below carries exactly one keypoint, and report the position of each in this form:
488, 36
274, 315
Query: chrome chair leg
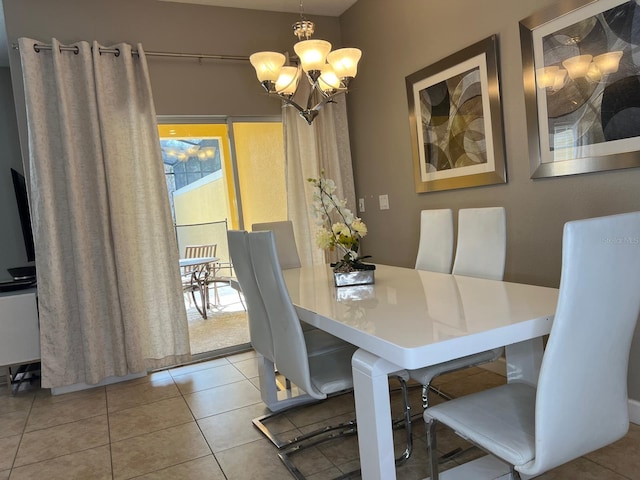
407, 420
432, 448
288, 448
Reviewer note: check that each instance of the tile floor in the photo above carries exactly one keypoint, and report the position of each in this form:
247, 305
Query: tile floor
194, 422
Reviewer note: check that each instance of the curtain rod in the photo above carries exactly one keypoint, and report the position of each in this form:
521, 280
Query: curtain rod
116, 51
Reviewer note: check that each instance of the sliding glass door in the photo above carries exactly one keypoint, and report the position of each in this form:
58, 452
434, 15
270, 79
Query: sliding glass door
222, 173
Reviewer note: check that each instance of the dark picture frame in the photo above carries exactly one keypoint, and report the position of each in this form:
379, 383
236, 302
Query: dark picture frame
455, 116
582, 93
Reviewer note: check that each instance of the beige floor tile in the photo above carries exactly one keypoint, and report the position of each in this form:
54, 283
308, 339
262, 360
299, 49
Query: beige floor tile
44, 396
473, 383
257, 460
583, 469
5, 475
209, 378
148, 418
222, 399
460, 375
310, 460
196, 367
328, 474
10, 403
141, 394
622, 456
318, 412
94, 464
13, 423
234, 428
8, 449
155, 451
205, 468
160, 376
57, 410
248, 367
255, 381
62, 439
242, 356
337, 450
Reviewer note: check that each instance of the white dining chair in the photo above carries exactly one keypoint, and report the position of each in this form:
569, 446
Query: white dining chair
435, 249
480, 252
535, 429
285, 241
482, 243
320, 375
316, 342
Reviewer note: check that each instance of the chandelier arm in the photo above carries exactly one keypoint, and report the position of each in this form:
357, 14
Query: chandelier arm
326, 99
289, 101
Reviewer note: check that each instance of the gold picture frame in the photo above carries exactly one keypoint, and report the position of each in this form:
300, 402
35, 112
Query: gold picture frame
455, 118
581, 87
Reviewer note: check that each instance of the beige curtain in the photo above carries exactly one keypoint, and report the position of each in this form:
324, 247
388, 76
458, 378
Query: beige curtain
109, 290
309, 149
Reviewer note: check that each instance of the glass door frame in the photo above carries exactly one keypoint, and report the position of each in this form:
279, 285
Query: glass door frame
229, 120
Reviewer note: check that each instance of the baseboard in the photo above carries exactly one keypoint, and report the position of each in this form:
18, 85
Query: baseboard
84, 386
634, 411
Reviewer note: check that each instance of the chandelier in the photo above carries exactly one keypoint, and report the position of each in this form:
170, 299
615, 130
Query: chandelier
328, 73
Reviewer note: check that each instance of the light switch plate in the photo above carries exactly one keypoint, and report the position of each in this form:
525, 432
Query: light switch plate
384, 202
361, 204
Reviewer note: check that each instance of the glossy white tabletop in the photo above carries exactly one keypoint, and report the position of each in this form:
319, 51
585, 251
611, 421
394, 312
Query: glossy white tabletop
189, 262
415, 318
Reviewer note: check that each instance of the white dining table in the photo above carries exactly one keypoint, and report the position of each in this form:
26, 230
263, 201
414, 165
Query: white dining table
410, 319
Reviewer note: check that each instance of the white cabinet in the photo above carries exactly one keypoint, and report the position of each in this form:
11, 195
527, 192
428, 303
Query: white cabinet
19, 329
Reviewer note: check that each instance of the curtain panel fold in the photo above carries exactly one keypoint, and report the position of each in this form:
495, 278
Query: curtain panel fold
109, 289
309, 150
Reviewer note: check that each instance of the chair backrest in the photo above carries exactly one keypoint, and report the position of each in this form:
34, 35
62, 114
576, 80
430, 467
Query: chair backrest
198, 251
285, 242
290, 350
581, 402
482, 243
259, 327
435, 250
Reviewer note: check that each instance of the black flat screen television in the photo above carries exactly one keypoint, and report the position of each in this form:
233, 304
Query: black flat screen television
22, 198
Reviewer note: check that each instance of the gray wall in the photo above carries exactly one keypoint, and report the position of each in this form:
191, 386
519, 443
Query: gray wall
12, 251
180, 86
401, 38
398, 38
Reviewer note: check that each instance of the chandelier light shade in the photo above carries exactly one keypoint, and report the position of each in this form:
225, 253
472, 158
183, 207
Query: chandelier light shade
608, 62
328, 73
267, 65
577, 66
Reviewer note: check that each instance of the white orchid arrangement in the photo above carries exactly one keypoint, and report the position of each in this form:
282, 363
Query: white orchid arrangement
338, 226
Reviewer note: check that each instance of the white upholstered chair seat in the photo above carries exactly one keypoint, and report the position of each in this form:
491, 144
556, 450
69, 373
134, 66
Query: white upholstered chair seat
331, 372
510, 416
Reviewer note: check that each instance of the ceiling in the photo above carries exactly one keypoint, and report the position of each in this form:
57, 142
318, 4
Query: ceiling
331, 8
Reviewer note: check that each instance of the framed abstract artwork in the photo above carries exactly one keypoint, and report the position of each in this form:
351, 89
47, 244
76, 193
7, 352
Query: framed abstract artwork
455, 118
581, 70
